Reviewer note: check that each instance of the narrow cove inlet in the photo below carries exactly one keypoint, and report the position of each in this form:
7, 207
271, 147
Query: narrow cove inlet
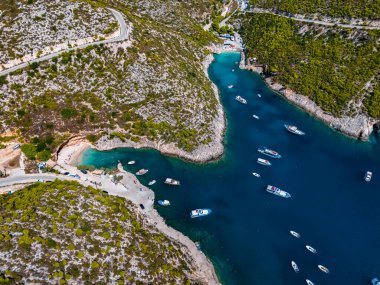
247, 235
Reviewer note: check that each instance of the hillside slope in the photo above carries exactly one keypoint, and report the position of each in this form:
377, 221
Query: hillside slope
336, 68
28, 27
358, 8
151, 88
64, 233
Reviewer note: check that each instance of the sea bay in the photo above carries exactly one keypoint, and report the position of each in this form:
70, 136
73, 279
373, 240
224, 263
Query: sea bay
247, 235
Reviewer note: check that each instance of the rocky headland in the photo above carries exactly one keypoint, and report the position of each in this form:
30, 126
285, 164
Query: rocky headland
359, 126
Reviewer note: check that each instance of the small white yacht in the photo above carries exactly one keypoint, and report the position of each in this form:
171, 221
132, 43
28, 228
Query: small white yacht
152, 182
368, 176
131, 162
295, 267
293, 233
256, 174
171, 181
241, 99
309, 282
311, 249
142, 171
324, 269
259, 95
256, 117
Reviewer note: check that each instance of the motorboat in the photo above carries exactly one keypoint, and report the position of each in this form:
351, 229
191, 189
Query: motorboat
324, 269
295, 267
131, 162
263, 162
152, 182
171, 181
256, 174
295, 234
241, 99
198, 213
269, 152
142, 171
308, 282
277, 191
256, 117
294, 129
163, 202
368, 176
311, 249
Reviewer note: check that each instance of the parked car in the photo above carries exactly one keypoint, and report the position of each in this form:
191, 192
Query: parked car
17, 146
142, 206
74, 175
66, 173
84, 171
40, 180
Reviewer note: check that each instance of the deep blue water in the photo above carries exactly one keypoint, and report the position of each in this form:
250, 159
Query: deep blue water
247, 236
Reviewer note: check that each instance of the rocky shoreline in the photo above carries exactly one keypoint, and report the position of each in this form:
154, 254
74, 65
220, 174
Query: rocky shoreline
204, 153
360, 126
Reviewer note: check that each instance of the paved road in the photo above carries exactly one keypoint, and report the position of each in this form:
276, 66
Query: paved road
124, 34
264, 11
30, 178
223, 22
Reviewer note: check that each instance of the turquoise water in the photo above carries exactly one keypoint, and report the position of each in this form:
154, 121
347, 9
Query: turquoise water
247, 235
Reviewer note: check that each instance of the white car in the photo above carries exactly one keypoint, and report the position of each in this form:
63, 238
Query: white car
40, 180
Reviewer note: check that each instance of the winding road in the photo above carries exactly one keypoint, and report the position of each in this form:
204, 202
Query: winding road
124, 34
32, 178
265, 11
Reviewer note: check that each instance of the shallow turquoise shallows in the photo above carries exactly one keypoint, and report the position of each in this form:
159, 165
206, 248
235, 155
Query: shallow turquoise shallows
247, 235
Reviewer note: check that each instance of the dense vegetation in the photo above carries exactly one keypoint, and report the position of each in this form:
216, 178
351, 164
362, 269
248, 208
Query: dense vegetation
336, 8
154, 88
64, 233
372, 102
330, 65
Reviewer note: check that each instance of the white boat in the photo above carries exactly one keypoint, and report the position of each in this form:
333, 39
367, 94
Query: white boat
294, 129
256, 117
171, 181
277, 191
368, 176
163, 202
131, 162
198, 213
230, 86
293, 233
311, 249
263, 161
256, 174
241, 99
259, 95
142, 171
295, 267
324, 269
308, 282
233, 70
152, 182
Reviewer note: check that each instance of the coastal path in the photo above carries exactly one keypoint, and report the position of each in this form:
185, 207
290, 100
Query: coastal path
317, 22
123, 35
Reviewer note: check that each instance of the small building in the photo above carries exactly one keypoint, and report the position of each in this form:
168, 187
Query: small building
227, 43
98, 172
